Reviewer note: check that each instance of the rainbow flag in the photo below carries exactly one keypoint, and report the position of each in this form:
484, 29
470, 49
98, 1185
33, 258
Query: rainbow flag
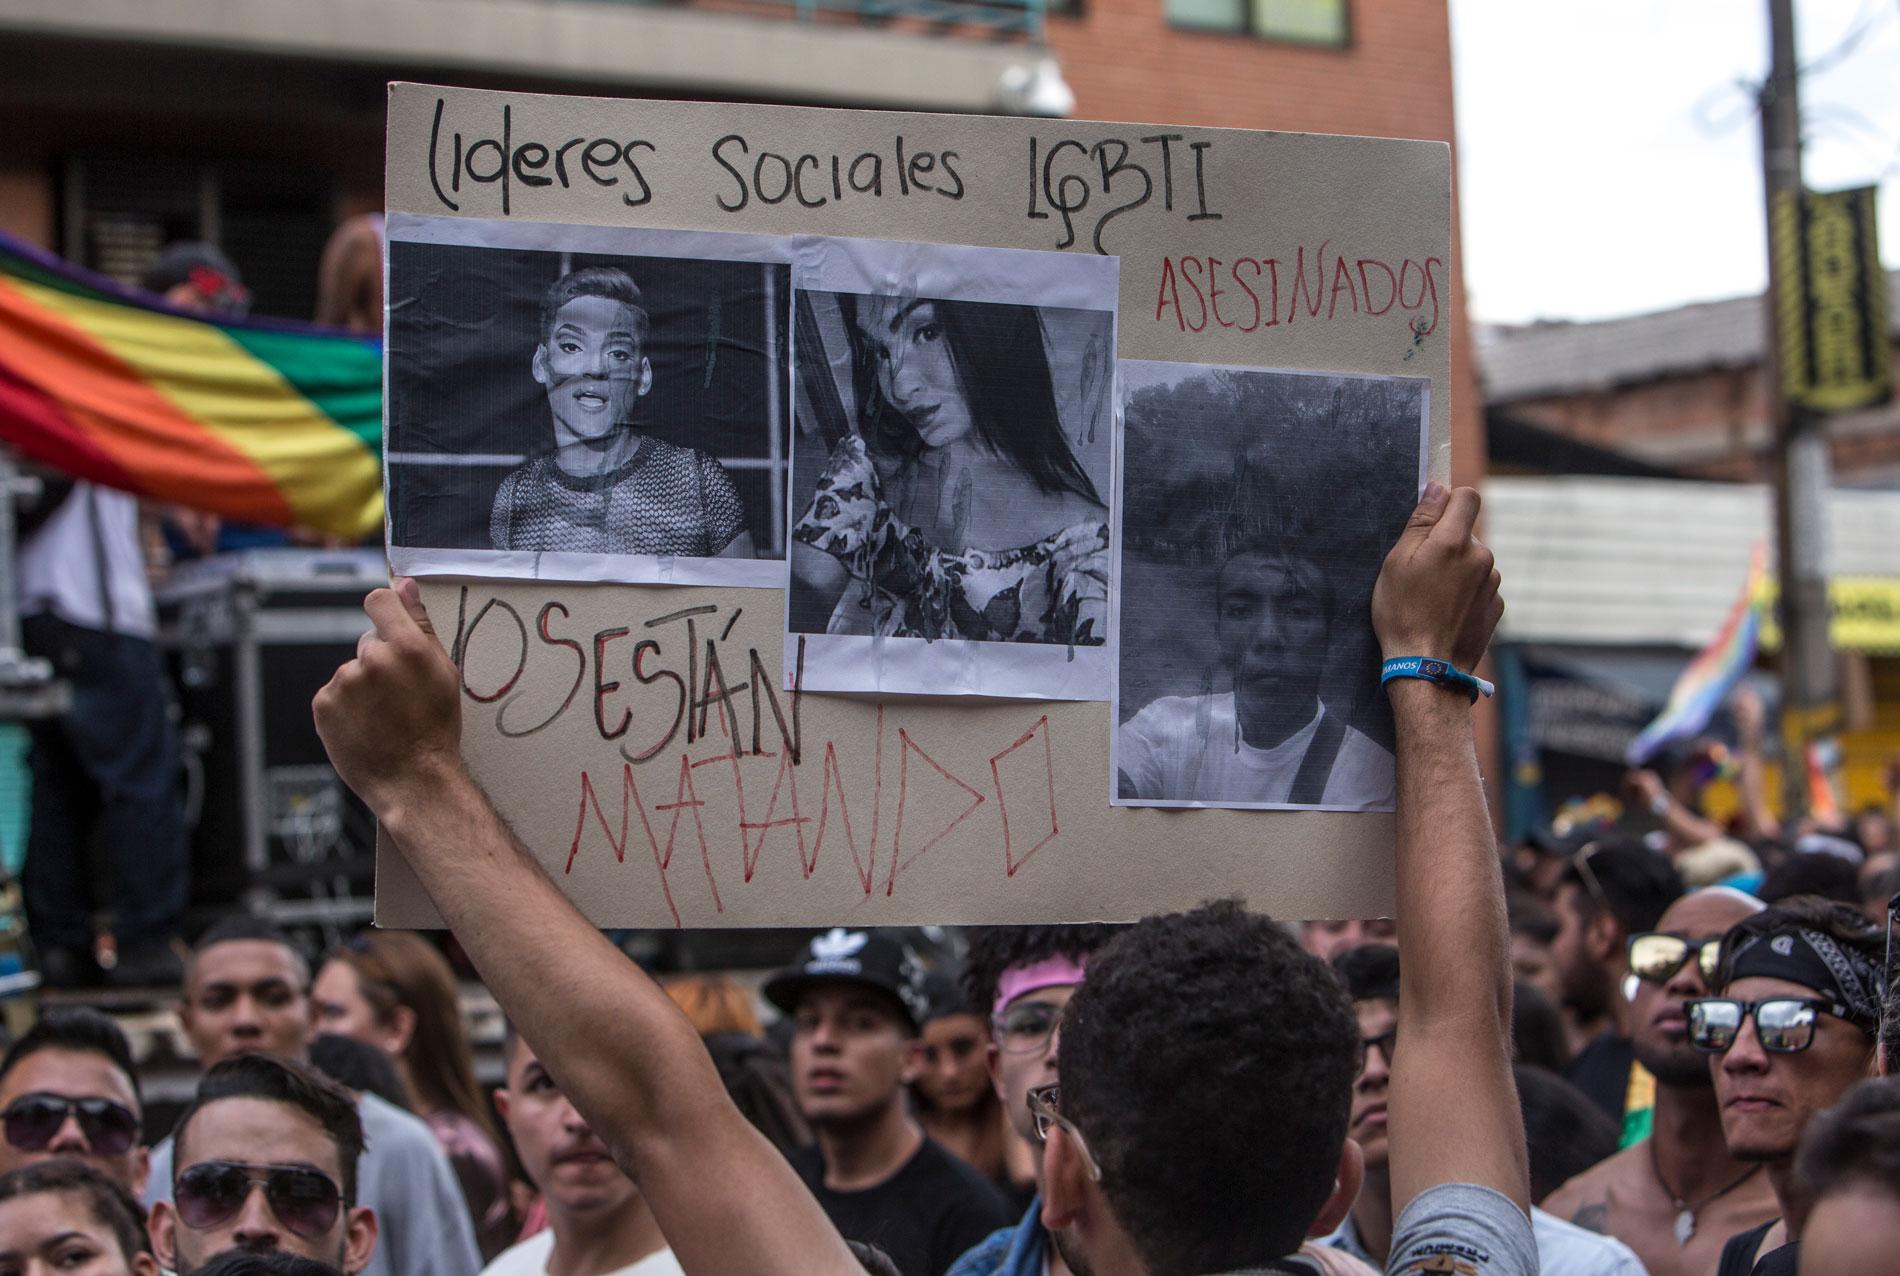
259, 420
1702, 687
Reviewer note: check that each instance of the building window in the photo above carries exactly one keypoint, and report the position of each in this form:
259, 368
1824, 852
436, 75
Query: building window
119, 211
1321, 22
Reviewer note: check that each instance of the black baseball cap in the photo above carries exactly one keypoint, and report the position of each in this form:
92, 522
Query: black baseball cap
206, 267
868, 957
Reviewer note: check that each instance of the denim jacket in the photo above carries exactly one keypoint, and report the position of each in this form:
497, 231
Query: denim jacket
1008, 1251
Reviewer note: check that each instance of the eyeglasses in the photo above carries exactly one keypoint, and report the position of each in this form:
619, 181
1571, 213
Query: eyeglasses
1042, 1110
1384, 1041
1655, 957
1783, 1025
1025, 1028
32, 1122
211, 1193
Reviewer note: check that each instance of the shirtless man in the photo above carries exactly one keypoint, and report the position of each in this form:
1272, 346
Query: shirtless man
1642, 1194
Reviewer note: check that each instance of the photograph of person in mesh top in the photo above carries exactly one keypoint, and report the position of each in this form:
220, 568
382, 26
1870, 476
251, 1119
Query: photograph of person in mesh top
605, 488
563, 412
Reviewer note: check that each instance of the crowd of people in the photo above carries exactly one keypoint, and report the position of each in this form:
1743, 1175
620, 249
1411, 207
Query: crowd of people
1600, 1052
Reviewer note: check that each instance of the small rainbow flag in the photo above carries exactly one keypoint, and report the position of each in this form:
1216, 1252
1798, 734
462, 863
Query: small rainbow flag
259, 420
1824, 799
1702, 687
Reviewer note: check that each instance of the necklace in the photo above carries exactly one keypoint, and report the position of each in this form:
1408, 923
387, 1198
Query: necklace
1685, 1210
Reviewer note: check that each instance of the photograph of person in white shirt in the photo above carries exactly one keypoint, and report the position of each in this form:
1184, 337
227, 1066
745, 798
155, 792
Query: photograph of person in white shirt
1271, 739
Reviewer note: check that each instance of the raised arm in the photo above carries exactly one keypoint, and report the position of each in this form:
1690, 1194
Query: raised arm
1751, 721
1454, 1106
724, 1197
1683, 827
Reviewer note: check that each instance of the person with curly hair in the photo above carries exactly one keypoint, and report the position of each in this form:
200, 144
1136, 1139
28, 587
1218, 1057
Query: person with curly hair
275, 1263
1025, 975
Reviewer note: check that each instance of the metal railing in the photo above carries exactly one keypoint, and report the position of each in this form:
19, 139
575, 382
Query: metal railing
996, 17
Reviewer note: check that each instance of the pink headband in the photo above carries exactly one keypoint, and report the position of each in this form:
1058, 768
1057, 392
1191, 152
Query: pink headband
1050, 972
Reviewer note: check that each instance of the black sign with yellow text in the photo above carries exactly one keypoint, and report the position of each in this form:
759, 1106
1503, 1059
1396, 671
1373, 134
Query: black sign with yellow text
1832, 327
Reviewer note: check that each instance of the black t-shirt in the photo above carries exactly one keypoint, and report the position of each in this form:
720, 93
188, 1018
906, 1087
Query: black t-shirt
924, 1216
1740, 1256
1602, 1071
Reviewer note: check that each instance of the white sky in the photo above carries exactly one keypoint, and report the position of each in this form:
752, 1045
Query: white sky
1610, 165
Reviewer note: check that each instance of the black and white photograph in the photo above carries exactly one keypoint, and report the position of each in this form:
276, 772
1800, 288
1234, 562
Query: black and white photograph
587, 403
952, 467
1256, 509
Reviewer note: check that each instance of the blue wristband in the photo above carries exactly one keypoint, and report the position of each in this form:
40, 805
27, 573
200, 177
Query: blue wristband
1442, 672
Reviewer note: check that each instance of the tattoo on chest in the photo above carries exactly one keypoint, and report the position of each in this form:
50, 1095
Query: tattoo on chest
962, 496
1593, 1217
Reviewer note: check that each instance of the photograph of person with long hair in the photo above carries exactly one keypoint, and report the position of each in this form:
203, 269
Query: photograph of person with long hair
966, 455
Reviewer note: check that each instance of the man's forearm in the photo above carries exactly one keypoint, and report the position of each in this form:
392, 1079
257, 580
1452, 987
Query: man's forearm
614, 1042
1455, 994
611, 1036
1686, 828
616, 1045
1450, 893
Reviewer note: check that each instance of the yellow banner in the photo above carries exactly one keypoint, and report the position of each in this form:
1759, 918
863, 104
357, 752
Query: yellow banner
1865, 611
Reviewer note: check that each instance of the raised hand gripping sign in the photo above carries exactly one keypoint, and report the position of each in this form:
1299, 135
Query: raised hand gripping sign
878, 530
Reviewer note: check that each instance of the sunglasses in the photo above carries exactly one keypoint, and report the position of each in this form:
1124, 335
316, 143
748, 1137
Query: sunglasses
211, 1193
1783, 1025
32, 1121
1025, 1028
1042, 1110
1655, 958
1384, 1042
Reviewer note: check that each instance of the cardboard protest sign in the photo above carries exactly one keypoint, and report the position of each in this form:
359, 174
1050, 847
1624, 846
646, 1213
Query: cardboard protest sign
1143, 465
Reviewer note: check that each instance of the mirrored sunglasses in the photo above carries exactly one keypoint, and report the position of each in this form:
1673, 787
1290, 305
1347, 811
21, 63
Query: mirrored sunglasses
1783, 1025
32, 1121
304, 1200
1655, 958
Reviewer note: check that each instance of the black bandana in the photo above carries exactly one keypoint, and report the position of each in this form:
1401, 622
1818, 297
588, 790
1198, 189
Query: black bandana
1803, 955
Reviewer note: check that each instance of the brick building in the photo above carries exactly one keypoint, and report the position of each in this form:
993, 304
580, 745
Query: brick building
1681, 390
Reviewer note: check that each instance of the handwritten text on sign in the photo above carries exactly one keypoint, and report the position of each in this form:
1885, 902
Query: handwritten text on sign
619, 735
723, 767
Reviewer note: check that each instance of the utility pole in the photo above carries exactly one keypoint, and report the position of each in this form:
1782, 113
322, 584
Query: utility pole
1802, 462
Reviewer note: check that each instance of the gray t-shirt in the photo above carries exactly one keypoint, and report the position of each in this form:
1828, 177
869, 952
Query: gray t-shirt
1464, 1229
423, 1228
